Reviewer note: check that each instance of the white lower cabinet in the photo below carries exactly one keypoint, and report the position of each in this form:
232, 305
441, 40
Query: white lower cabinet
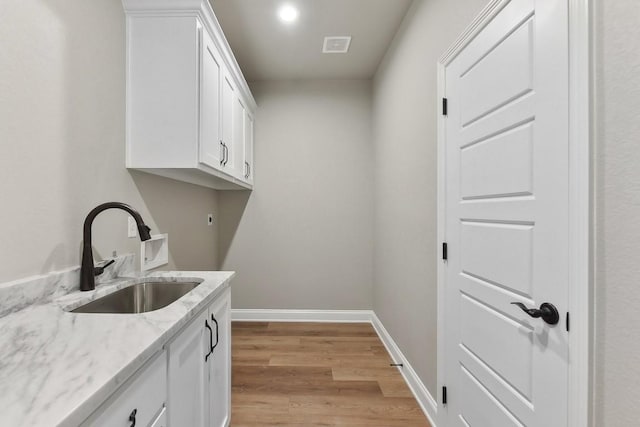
220, 364
200, 369
139, 400
187, 385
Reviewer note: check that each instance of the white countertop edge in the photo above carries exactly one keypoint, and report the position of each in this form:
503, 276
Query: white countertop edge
70, 396
93, 402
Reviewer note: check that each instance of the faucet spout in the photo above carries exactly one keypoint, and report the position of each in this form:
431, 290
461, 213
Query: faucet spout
87, 268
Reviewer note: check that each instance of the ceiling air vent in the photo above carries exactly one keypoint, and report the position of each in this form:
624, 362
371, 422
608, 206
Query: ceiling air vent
336, 44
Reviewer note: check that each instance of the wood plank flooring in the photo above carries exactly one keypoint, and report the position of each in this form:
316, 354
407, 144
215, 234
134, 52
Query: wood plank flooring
316, 374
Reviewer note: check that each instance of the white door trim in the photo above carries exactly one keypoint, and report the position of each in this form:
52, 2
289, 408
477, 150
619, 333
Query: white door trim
580, 284
580, 258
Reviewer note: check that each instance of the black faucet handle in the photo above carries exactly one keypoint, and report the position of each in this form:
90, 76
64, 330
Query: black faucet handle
99, 270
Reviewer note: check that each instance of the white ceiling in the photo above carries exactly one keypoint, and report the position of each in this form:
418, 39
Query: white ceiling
266, 49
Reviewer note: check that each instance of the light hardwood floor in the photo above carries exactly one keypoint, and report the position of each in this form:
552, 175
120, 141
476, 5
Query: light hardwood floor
316, 374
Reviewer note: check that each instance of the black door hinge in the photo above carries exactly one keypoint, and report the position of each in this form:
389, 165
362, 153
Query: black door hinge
444, 395
444, 106
445, 251
567, 321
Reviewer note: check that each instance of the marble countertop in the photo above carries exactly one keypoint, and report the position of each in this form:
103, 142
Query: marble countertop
57, 367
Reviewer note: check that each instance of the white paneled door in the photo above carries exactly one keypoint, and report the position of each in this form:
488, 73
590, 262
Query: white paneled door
507, 173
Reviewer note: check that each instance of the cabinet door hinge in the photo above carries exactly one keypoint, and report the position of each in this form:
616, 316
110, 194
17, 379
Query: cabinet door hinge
445, 251
444, 106
444, 395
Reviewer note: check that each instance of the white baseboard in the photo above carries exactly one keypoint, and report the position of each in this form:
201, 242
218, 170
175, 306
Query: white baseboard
425, 399
341, 316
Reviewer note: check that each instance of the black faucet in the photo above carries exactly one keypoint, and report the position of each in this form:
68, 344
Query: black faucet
87, 269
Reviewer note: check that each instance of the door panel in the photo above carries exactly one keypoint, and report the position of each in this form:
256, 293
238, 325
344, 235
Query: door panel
228, 101
500, 75
210, 136
520, 112
247, 166
506, 220
188, 376
499, 388
499, 166
248, 146
498, 253
238, 138
488, 334
220, 363
487, 410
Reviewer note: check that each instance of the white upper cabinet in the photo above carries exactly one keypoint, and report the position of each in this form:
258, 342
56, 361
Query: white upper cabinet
186, 97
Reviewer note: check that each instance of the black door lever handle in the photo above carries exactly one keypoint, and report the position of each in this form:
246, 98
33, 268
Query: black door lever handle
547, 311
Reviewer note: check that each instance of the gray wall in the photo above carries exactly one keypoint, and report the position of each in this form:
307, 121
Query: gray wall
404, 118
617, 213
303, 239
62, 80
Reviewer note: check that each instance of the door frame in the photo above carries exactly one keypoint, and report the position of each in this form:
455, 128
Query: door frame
580, 205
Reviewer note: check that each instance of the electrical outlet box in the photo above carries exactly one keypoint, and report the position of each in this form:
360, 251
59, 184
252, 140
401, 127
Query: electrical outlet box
210, 219
154, 252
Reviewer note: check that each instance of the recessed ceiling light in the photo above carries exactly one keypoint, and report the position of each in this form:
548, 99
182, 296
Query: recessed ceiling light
288, 13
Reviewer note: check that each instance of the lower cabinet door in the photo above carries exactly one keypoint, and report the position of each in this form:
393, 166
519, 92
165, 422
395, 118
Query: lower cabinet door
188, 374
137, 402
220, 362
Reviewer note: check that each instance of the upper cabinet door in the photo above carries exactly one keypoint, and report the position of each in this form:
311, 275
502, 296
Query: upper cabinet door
238, 137
211, 148
228, 101
248, 147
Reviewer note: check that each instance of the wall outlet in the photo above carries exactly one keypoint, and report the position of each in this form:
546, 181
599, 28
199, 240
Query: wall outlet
132, 228
210, 219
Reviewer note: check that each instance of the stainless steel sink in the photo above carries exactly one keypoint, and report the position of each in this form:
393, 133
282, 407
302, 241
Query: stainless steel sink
138, 298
